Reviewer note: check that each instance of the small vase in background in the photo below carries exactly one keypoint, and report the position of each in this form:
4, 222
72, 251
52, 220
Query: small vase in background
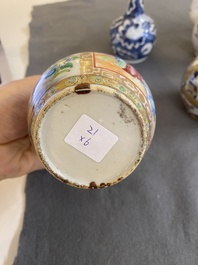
133, 34
194, 11
194, 18
189, 89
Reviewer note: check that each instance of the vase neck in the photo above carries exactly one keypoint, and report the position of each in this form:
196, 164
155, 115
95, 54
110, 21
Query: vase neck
135, 8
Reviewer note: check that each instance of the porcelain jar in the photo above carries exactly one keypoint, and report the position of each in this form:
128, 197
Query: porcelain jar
91, 119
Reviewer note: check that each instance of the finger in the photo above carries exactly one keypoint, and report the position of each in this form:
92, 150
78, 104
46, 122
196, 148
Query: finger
14, 98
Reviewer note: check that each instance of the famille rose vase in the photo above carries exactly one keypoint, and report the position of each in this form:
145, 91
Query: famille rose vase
189, 89
91, 119
133, 34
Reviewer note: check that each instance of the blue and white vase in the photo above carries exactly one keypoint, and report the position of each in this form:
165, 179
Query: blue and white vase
133, 34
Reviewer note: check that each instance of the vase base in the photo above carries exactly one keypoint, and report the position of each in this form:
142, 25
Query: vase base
92, 170
136, 61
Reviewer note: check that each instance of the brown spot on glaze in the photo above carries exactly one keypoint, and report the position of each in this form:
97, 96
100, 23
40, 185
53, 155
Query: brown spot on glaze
102, 185
123, 114
92, 185
65, 181
83, 88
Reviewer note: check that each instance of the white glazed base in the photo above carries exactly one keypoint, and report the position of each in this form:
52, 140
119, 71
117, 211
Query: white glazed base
73, 166
136, 61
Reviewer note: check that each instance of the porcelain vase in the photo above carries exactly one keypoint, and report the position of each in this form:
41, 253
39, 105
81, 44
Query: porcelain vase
91, 119
133, 34
193, 13
189, 89
194, 18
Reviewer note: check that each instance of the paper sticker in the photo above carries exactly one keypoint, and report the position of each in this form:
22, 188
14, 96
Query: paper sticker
91, 138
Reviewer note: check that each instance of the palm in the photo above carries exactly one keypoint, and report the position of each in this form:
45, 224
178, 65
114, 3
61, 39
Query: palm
17, 155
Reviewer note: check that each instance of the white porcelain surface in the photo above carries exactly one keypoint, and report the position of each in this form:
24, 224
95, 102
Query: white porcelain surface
72, 167
194, 11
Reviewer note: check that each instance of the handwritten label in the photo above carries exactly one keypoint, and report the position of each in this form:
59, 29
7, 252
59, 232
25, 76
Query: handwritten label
91, 138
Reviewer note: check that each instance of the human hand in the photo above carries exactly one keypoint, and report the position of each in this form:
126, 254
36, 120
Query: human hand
17, 155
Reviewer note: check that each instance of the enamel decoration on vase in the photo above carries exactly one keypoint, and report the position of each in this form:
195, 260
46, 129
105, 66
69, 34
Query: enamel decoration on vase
189, 89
